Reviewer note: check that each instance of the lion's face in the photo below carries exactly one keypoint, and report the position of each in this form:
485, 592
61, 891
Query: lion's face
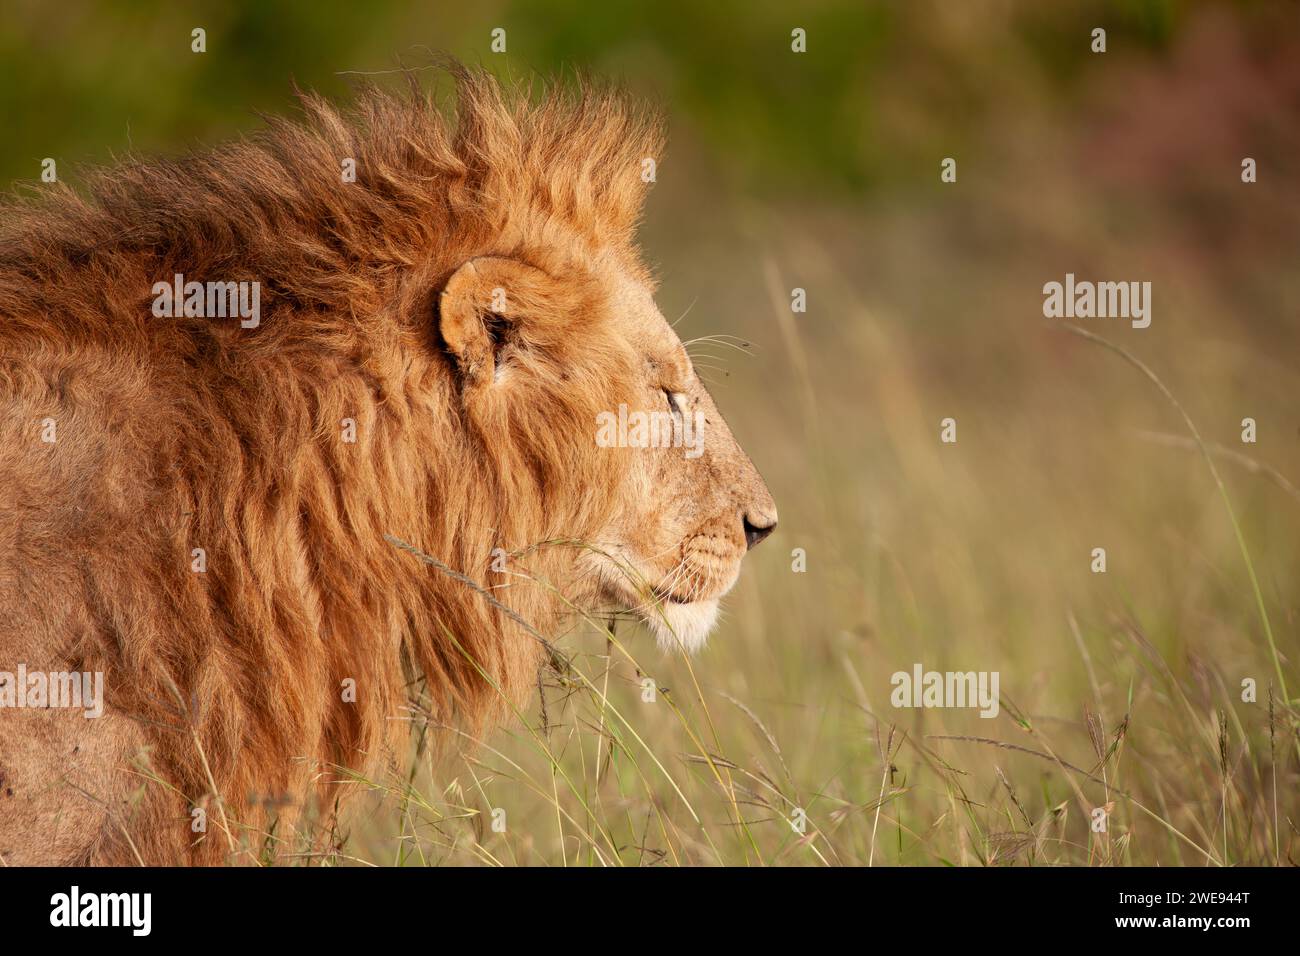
693, 503
584, 372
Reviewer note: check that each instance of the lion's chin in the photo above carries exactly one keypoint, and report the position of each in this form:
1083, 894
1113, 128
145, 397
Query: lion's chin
682, 627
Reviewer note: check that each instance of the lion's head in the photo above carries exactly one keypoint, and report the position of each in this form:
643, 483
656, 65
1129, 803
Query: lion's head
581, 395
677, 502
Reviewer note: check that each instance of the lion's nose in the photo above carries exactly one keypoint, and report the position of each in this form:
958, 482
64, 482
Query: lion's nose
754, 533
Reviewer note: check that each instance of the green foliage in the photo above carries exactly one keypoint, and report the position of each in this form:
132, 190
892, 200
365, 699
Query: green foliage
86, 81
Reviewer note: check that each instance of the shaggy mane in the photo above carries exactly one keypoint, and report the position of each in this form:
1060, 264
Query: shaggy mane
179, 434
501, 165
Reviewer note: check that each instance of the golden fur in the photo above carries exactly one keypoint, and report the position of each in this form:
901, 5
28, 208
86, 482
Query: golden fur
473, 431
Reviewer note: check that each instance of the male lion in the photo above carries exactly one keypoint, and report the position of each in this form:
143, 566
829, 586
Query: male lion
204, 510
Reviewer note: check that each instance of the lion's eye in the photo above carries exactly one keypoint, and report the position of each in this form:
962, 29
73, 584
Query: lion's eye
675, 401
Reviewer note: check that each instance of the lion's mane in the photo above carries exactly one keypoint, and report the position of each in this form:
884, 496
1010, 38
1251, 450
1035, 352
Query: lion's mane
185, 433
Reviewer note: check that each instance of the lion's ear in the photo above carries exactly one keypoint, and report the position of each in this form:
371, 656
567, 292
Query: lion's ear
481, 307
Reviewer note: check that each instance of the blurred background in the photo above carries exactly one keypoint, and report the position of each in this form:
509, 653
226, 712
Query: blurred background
821, 171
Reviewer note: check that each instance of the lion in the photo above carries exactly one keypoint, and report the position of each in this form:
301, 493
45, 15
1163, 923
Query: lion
261, 534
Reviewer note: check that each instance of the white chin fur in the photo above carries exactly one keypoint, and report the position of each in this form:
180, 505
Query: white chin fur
683, 627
